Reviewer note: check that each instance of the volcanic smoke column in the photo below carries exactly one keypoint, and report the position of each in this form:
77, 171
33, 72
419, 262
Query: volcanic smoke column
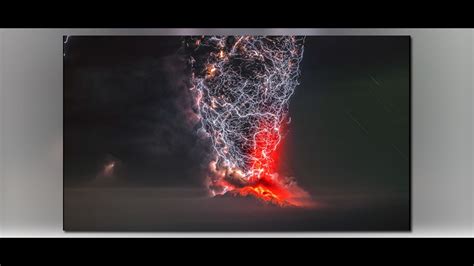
242, 86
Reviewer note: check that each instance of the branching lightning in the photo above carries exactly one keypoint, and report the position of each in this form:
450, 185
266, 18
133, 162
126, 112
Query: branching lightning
242, 87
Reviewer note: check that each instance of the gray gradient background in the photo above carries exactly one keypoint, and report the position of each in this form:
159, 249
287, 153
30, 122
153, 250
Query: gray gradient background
31, 128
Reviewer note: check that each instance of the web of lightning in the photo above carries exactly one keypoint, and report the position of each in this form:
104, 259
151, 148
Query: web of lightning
242, 87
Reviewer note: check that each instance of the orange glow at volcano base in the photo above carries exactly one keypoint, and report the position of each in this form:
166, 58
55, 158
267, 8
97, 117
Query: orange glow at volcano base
276, 192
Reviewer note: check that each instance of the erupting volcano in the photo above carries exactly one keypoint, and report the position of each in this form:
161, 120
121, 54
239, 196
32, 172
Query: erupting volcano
242, 86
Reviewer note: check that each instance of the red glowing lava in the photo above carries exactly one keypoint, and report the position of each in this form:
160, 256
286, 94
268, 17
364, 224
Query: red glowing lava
270, 190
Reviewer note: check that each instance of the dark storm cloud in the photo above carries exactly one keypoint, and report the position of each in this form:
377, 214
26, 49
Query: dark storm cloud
138, 110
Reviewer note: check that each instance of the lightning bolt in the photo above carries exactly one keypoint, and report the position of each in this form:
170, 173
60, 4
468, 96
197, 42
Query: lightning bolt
242, 86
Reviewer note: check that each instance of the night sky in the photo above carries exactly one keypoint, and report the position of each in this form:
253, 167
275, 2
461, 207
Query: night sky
126, 101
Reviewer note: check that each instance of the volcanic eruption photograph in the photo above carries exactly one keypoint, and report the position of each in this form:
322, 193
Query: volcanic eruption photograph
236, 133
